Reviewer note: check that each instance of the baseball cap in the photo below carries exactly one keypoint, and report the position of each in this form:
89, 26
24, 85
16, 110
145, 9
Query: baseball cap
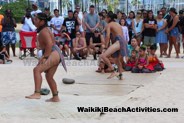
35, 4
77, 7
173, 10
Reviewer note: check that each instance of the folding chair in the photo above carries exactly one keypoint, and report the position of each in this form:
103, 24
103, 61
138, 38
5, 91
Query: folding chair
27, 42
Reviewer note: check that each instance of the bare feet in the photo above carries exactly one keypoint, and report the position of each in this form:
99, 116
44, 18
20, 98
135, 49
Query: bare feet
34, 96
165, 54
112, 75
99, 70
103, 71
53, 99
177, 56
120, 76
168, 56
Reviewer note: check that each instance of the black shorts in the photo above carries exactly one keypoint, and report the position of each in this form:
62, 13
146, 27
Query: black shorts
2, 56
88, 36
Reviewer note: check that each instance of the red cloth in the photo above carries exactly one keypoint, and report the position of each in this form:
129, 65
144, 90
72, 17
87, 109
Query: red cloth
153, 61
55, 35
131, 64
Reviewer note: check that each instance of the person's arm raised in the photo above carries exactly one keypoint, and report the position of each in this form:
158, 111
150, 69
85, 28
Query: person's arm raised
68, 37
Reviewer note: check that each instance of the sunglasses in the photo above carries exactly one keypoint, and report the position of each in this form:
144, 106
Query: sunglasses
138, 13
137, 24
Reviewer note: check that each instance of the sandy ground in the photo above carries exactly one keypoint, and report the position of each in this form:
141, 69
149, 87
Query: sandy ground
158, 90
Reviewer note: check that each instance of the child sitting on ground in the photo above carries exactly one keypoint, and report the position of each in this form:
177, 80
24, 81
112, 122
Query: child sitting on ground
142, 62
63, 42
4, 57
133, 46
131, 62
154, 61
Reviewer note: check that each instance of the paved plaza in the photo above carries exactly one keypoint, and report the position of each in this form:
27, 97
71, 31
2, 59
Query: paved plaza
159, 90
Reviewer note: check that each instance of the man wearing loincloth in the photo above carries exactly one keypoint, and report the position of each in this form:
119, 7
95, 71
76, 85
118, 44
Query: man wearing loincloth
50, 60
118, 49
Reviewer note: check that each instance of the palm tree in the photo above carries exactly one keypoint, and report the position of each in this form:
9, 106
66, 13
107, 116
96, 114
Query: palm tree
66, 3
77, 2
135, 3
111, 4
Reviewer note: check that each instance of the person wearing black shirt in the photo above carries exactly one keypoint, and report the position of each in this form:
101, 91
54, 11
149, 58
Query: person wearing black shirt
181, 28
97, 43
4, 57
150, 26
166, 15
8, 31
173, 31
71, 25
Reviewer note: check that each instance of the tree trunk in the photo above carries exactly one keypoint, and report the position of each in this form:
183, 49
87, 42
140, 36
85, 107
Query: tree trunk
61, 6
82, 5
95, 3
98, 6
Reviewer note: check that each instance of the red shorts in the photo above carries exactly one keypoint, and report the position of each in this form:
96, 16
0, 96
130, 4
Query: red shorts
67, 43
55, 35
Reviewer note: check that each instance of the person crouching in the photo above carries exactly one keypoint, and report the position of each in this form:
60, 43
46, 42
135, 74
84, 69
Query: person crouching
79, 47
131, 62
142, 62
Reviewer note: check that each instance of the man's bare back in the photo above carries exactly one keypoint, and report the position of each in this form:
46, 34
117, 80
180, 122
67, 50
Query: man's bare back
115, 29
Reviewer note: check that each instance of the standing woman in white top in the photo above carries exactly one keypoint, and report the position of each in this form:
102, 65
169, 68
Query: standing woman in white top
75, 15
35, 9
28, 26
80, 16
122, 22
27, 22
137, 27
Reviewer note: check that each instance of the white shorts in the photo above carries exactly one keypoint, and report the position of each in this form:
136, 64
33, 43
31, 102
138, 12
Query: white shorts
81, 28
39, 54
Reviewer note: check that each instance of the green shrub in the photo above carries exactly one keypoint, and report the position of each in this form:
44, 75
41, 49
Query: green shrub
18, 9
